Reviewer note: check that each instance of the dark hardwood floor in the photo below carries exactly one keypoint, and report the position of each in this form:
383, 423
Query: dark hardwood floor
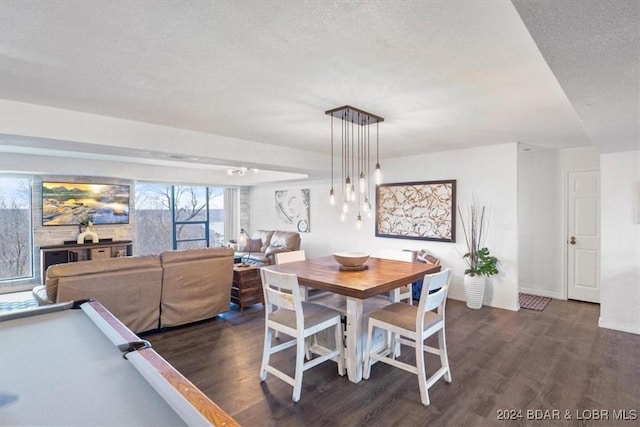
554, 360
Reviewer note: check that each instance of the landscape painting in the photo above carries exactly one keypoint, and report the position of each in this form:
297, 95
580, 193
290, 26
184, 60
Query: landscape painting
68, 203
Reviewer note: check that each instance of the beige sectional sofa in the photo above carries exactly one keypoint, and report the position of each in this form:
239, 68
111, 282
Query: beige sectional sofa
148, 292
264, 244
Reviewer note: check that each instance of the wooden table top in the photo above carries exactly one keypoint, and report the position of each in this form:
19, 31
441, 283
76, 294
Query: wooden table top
383, 275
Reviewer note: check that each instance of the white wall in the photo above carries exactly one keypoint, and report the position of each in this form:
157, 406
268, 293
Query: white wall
488, 174
620, 243
539, 223
542, 214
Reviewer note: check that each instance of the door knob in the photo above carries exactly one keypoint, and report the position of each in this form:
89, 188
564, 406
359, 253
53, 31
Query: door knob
572, 240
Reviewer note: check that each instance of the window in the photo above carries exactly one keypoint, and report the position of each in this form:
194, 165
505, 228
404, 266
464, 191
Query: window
178, 217
216, 216
16, 253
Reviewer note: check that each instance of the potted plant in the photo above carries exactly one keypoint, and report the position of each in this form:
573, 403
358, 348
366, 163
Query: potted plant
480, 262
85, 222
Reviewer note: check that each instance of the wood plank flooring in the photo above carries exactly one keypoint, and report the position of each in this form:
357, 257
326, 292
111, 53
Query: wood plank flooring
557, 359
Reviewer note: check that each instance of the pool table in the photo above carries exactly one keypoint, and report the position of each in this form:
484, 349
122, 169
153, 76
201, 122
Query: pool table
76, 364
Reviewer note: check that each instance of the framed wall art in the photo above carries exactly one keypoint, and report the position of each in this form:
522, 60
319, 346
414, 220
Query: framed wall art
417, 210
66, 203
292, 210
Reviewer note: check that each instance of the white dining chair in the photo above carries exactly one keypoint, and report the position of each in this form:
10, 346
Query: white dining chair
411, 325
289, 256
287, 313
406, 291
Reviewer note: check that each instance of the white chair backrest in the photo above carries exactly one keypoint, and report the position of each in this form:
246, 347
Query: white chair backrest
291, 256
432, 260
397, 255
425, 256
281, 290
430, 301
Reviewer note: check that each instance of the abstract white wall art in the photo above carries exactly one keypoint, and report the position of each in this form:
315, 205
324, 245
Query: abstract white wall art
292, 210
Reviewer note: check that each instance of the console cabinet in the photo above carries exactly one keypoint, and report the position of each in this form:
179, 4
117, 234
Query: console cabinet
72, 252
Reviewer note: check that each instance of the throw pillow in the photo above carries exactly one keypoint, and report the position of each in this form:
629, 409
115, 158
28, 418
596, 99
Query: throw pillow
253, 245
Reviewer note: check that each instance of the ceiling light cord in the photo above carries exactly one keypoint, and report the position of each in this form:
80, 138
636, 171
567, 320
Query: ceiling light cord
332, 195
356, 160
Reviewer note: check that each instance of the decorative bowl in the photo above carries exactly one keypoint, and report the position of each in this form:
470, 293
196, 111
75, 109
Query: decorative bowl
351, 259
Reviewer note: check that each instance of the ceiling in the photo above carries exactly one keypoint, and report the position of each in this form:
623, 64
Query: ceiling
445, 75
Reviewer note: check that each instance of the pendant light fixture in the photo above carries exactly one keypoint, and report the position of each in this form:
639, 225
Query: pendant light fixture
356, 173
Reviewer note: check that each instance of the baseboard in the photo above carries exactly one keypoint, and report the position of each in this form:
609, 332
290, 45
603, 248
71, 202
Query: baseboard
616, 326
462, 297
455, 296
542, 293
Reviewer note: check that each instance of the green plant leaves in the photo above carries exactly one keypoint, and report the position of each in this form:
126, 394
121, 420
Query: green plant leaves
486, 264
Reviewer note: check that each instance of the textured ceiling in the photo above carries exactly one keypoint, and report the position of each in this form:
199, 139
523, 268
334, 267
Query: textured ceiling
443, 74
593, 49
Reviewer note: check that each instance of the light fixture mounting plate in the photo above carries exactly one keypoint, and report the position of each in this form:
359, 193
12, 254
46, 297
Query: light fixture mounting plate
350, 114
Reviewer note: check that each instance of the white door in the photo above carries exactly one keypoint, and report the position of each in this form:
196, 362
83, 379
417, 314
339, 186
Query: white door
583, 239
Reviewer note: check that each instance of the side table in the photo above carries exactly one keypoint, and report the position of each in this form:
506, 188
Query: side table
247, 286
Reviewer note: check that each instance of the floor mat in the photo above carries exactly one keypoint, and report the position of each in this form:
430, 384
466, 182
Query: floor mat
18, 305
533, 302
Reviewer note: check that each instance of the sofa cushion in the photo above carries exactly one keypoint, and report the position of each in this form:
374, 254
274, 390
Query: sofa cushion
196, 284
289, 240
254, 245
255, 258
80, 268
130, 288
265, 236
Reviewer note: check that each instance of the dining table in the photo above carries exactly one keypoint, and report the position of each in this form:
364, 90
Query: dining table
378, 277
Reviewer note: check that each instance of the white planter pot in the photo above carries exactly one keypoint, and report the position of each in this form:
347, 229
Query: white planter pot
474, 290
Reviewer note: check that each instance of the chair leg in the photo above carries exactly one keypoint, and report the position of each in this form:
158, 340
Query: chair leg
367, 354
444, 357
307, 347
300, 350
340, 347
266, 352
394, 345
422, 376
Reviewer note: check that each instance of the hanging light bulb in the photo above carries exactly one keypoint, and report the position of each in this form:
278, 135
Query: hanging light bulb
359, 221
378, 174
357, 159
343, 217
347, 188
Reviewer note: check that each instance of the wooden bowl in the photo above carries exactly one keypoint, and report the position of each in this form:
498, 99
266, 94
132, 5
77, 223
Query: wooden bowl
351, 259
